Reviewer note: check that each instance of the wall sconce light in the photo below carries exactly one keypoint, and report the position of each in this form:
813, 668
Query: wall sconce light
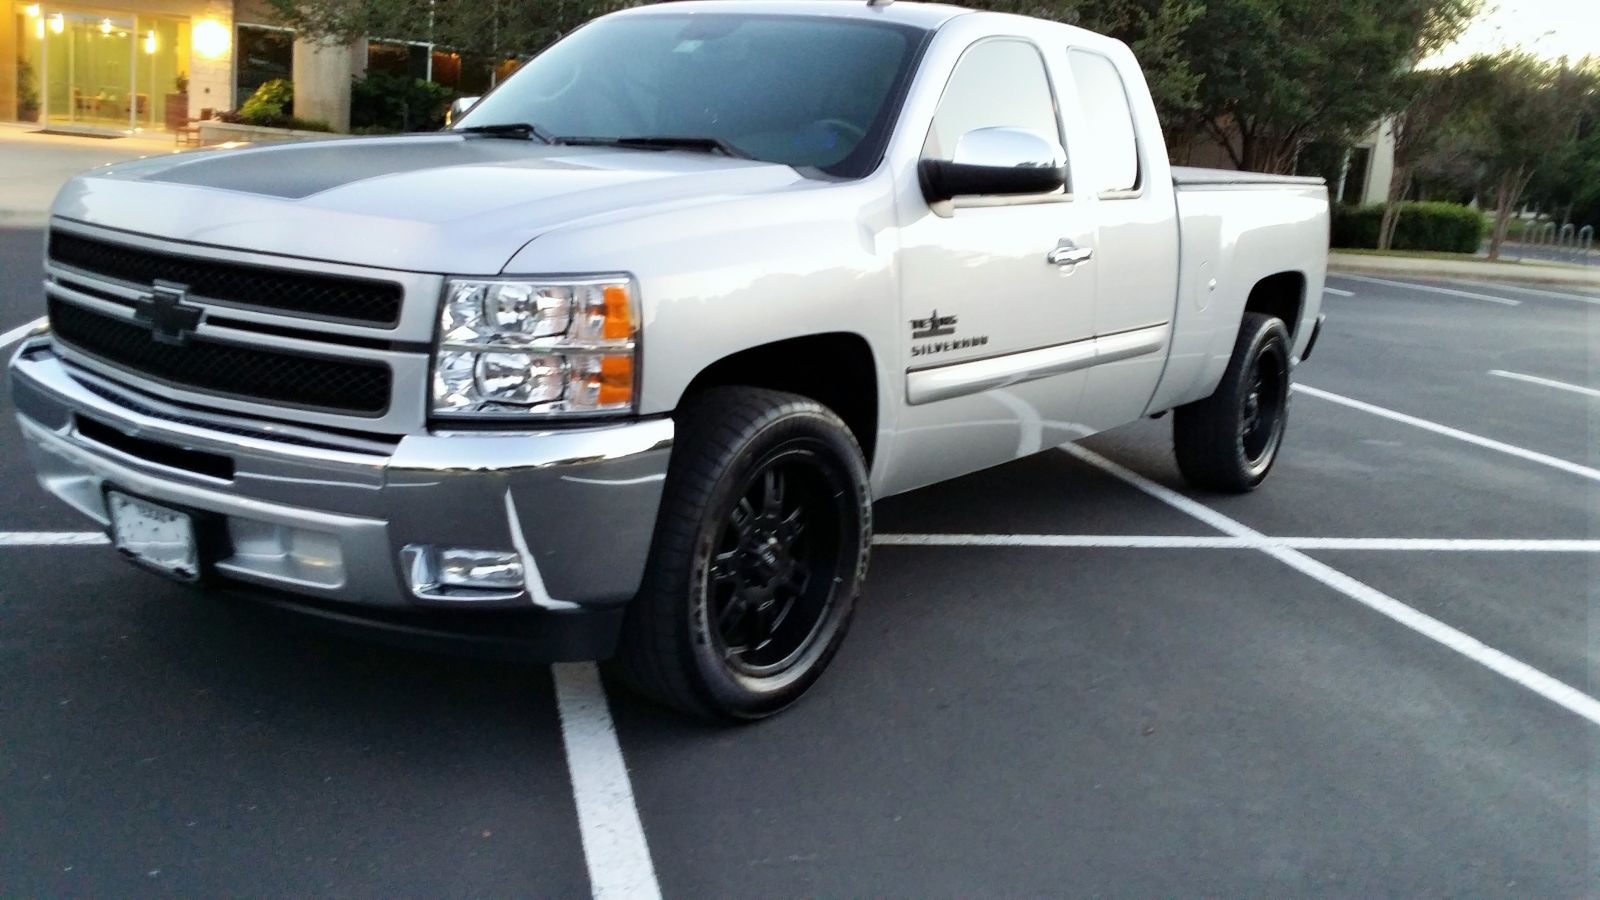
211, 39
150, 41
31, 10
105, 26
58, 23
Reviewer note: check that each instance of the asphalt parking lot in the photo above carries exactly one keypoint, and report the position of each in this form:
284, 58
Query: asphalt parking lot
1070, 676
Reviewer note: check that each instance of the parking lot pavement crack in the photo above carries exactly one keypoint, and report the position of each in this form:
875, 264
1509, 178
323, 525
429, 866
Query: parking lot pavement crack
1552, 689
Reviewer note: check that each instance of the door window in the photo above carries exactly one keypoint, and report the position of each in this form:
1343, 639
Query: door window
1113, 154
997, 83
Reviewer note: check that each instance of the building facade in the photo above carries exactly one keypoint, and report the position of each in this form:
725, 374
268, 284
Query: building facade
117, 66
151, 65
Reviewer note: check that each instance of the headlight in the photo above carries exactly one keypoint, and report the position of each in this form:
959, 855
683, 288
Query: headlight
516, 348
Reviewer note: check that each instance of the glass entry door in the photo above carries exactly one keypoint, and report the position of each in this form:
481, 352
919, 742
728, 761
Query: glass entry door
89, 63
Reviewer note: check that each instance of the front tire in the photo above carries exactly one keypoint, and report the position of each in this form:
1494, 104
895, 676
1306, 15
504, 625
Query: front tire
1229, 441
760, 550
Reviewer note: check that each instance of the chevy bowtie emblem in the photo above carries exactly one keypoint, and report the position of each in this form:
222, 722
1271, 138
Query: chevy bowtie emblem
169, 319
933, 326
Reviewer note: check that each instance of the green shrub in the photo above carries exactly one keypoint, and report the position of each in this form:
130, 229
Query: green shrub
272, 105
1441, 227
383, 103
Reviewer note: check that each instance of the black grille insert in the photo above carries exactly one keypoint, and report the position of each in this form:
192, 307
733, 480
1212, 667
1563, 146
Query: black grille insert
249, 373
330, 297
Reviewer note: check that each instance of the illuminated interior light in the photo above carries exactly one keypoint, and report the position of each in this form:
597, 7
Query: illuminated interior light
58, 23
105, 26
150, 41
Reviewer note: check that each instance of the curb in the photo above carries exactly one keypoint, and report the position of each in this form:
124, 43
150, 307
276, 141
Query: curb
1532, 276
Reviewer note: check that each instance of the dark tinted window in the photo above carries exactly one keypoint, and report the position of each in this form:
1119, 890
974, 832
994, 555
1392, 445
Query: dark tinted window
798, 90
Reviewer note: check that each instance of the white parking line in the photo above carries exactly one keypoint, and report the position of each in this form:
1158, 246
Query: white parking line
1552, 689
608, 819
1214, 542
1338, 293
1547, 382
1467, 436
1434, 290
51, 538
1581, 298
15, 334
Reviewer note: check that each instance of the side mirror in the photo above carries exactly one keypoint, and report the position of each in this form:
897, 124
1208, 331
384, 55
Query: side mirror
996, 161
458, 108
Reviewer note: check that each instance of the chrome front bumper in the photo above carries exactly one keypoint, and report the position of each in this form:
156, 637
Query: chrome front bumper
325, 516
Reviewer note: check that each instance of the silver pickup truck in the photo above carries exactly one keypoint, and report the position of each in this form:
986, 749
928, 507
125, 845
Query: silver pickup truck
616, 367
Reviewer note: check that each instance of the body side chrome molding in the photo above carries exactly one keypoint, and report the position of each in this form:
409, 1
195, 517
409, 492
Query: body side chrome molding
959, 379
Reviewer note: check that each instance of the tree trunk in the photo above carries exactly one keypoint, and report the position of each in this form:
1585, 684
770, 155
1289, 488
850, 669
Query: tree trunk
1399, 184
1507, 193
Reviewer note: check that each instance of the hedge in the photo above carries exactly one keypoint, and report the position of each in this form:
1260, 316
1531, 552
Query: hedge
1442, 227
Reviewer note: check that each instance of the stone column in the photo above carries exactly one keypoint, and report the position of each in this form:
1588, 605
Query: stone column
211, 59
322, 75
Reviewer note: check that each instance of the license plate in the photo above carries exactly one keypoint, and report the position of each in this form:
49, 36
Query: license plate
154, 536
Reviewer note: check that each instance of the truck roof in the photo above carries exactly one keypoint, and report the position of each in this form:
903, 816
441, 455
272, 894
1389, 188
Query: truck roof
922, 15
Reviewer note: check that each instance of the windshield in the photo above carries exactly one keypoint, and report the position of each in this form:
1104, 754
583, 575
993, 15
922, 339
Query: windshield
803, 91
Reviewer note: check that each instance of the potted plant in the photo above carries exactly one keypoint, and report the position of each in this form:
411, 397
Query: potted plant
178, 103
27, 93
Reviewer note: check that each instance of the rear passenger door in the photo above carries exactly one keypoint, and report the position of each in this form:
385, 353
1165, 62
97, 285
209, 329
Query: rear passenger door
1126, 179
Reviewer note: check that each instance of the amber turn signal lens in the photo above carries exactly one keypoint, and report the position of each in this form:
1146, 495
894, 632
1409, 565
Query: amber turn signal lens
616, 380
619, 314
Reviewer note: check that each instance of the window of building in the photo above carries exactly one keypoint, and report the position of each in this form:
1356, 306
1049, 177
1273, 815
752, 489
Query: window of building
264, 54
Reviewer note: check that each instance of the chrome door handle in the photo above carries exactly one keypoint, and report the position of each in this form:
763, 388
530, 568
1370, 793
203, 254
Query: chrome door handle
1067, 253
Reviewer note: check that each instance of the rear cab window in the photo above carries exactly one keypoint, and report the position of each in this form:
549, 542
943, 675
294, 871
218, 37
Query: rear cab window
1111, 151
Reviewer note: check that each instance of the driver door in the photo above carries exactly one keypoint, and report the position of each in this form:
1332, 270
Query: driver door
997, 292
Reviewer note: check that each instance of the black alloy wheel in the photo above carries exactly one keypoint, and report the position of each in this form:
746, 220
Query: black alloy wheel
761, 546
1229, 441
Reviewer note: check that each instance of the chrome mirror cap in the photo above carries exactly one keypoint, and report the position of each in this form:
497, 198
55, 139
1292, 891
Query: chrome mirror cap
996, 161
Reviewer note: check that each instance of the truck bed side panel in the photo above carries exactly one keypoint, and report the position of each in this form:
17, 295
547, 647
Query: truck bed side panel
1237, 229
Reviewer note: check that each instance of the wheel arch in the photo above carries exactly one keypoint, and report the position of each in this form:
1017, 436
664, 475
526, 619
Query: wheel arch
1281, 294
837, 369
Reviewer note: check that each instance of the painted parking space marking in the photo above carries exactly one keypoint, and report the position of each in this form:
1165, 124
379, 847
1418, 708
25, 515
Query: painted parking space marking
1547, 382
52, 538
1338, 293
1235, 542
16, 334
1537, 292
614, 846
1534, 456
1546, 686
1471, 295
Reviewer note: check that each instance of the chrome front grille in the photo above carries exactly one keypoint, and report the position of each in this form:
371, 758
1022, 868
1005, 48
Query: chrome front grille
245, 334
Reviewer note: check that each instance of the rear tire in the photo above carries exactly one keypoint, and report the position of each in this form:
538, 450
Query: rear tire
1229, 441
760, 549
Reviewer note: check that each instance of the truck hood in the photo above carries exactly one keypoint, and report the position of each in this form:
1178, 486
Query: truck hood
429, 203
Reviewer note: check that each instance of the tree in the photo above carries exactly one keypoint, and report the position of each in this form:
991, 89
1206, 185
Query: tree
1278, 74
1435, 108
1534, 117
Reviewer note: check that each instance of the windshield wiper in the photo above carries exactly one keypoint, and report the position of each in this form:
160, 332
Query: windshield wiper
652, 142
524, 130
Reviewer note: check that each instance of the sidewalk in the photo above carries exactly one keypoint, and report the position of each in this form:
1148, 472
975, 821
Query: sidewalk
33, 167
1529, 272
